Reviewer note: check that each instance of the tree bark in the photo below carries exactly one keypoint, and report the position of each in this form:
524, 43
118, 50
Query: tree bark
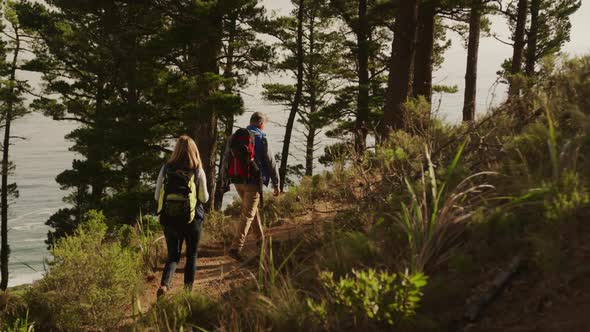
312, 80
423, 66
229, 121
401, 66
95, 155
362, 117
469, 102
4, 248
204, 128
531, 57
519, 43
309, 150
206, 133
296, 98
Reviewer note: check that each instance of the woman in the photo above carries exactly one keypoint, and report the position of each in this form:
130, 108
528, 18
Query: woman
181, 190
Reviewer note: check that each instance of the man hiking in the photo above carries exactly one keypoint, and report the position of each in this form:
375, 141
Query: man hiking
249, 165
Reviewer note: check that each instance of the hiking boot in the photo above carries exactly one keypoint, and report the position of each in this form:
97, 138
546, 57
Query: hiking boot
236, 254
161, 291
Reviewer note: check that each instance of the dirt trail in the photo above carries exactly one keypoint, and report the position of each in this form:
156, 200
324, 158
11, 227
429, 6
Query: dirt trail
217, 273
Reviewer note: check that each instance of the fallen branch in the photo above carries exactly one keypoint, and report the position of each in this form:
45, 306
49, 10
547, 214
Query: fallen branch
476, 308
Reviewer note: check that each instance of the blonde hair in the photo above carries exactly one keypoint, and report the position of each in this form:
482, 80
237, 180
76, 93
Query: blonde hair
186, 154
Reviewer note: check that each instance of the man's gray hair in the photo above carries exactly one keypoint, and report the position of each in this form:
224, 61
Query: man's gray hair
257, 118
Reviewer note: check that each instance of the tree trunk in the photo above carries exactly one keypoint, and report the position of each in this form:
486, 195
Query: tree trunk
423, 66
204, 128
229, 121
205, 133
519, 43
400, 67
309, 150
531, 57
296, 98
95, 154
312, 80
4, 249
469, 102
362, 117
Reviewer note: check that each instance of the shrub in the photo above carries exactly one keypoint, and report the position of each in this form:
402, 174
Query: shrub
181, 311
435, 214
347, 250
370, 296
91, 283
145, 238
19, 325
218, 227
12, 310
284, 309
567, 197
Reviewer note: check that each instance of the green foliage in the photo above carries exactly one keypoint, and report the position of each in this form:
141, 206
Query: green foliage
182, 312
345, 251
280, 308
567, 197
12, 310
284, 308
268, 270
321, 59
372, 296
149, 241
219, 226
436, 213
20, 325
91, 282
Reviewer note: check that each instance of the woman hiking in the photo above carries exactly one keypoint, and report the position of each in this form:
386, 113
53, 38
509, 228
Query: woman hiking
181, 191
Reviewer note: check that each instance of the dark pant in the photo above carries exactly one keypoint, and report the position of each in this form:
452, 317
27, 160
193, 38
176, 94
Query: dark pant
175, 236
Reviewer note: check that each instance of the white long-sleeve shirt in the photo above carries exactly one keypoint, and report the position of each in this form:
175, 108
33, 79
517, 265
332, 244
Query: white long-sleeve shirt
202, 184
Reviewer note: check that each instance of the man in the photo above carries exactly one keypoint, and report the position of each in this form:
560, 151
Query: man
249, 187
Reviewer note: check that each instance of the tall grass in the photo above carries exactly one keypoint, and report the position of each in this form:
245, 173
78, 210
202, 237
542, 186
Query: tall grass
435, 214
150, 241
268, 271
20, 325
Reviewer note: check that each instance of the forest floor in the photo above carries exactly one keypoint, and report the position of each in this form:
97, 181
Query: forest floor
537, 301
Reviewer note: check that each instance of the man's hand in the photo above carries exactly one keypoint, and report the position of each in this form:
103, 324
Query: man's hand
276, 192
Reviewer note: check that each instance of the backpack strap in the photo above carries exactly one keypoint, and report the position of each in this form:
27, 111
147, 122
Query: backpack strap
163, 187
196, 180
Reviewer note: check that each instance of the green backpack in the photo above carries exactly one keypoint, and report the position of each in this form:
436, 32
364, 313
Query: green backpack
178, 199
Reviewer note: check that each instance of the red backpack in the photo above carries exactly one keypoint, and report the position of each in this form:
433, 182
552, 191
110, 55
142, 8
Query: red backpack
242, 167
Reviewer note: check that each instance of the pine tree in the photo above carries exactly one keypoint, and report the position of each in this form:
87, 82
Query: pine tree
368, 23
518, 47
98, 60
401, 66
550, 29
425, 41
289, 32
11, 108
193, 39
321, 53
469, 102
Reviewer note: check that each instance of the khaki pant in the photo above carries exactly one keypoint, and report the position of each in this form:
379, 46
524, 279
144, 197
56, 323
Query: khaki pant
250, 199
